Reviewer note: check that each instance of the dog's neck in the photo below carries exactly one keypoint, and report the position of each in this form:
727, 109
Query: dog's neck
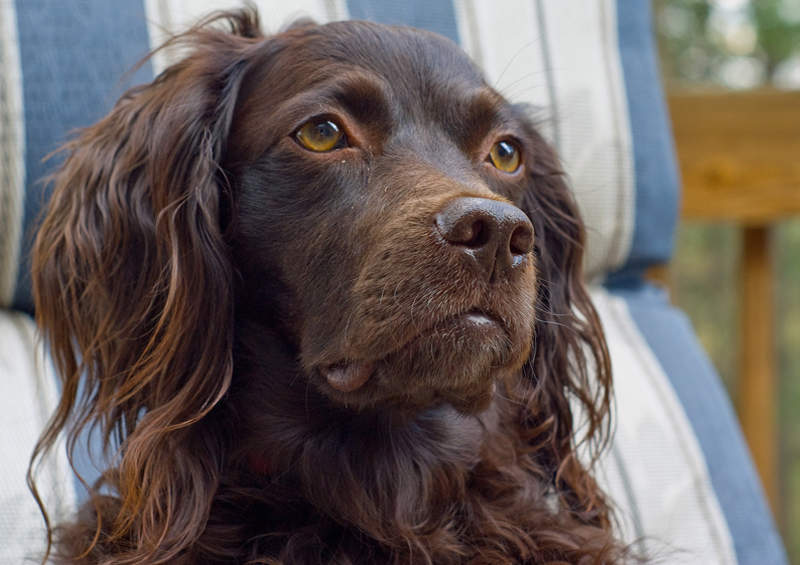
374, 482
281, 409
387, 434
381, 461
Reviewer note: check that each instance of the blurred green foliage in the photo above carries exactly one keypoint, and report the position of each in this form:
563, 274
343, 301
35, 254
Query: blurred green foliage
778, 35
738, 44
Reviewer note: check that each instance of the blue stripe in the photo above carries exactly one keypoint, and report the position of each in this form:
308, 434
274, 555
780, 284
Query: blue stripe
657, 183
73, 56
434, 15
672, 340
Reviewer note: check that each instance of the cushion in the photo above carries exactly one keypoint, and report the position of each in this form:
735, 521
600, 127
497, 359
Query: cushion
61, 67
678, 467
28, 395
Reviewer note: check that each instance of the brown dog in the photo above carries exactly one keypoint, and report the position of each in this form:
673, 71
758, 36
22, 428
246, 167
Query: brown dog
325, 290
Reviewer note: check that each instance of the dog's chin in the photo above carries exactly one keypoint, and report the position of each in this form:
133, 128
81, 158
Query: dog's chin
458, 361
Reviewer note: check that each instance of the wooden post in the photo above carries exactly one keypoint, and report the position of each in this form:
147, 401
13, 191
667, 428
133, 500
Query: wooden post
757, 386
738, 154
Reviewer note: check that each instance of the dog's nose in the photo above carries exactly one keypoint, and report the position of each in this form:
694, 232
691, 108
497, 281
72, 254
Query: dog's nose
496, 234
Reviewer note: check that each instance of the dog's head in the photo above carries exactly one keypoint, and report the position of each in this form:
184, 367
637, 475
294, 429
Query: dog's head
346, 207
378, 224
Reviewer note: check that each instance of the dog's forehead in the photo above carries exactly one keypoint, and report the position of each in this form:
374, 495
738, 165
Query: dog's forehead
383, 75
404, 56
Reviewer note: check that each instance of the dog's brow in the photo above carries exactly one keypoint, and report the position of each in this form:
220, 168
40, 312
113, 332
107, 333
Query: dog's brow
484, 111
486, 105
364, 96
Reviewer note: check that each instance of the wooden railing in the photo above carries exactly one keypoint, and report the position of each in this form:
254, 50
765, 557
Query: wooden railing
739, 156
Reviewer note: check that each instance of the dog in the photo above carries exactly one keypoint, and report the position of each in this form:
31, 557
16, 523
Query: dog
323, 292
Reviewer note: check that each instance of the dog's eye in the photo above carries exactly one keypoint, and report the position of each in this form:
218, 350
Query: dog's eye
320, 135
505, 156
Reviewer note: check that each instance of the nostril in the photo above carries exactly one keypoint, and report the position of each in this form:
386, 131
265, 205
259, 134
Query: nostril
521, 241
469, 231
479, 235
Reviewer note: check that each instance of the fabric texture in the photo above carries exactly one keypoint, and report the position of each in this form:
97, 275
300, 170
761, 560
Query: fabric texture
668, 336
656, 204
73, 59
28, 395
12, 153
656, 464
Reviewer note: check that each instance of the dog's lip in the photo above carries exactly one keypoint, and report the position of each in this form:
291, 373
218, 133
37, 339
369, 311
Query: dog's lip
480, 318
350, 375
474, 317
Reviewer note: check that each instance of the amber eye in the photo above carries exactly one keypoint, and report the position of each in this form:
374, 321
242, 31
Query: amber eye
320, 135
505, 156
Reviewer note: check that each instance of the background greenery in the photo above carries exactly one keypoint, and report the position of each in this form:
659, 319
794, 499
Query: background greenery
739, 44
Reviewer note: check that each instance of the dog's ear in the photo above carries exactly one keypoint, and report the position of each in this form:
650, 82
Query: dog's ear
133, 285
568, 374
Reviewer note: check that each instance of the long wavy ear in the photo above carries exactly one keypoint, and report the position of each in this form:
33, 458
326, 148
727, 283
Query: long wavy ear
569, 369
133, 290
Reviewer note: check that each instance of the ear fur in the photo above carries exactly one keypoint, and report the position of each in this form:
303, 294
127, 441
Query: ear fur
569, 367
133, 289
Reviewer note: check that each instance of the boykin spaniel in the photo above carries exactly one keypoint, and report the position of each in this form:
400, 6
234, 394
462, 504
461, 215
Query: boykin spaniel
320, 292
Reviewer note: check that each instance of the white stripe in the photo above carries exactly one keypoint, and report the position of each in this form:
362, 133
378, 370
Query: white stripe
468, 33
594, 126
662, 461
167, 17
12, 153
28, 396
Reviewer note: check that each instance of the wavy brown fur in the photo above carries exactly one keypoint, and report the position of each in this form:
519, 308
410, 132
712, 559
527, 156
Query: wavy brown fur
196, 269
